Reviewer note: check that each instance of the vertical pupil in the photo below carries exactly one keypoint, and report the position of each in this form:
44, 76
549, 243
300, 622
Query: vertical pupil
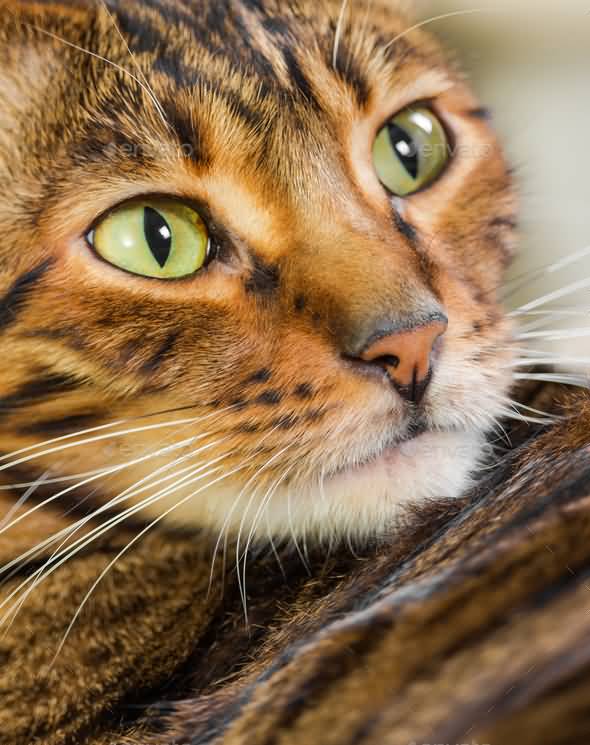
405, 147
157, 234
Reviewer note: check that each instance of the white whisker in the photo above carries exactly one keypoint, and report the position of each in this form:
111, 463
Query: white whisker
263, 505
550, 360
126, 494
519, 405
442, 17
555, 335
23, 499
575, 380
129, 545
251, 480
558, 312
140, 72
113, 435
58, 559
525, 279
231, 511
107, 61
111, 425
107, 472
569, 289
293, 535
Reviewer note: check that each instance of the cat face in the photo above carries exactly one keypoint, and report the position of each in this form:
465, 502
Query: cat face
254, 256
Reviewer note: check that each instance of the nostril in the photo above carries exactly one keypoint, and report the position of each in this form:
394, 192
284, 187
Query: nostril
387, 361
407, 354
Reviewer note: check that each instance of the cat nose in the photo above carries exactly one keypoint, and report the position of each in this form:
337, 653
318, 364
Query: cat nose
407, 356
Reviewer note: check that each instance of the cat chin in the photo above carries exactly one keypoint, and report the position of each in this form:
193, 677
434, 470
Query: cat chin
360, 503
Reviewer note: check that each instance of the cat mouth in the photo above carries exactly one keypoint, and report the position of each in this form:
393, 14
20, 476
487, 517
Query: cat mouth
388, 455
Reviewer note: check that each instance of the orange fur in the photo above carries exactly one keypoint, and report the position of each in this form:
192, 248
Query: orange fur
272, 141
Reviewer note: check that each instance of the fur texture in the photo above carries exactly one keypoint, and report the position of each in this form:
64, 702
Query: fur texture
462, 618
263, 115
470, 626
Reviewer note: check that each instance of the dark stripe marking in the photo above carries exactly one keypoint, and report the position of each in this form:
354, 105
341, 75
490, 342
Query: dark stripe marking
71, 337
299, 303
349, 72
405, 228
64, 425
34, 390
264, 278
184, 77
286, 422
19, 294
158, 358
299, 79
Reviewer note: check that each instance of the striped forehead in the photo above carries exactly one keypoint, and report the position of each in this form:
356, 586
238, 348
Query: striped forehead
252, 84
201, 43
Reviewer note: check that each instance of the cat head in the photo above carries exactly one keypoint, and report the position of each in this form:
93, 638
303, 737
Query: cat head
250, 260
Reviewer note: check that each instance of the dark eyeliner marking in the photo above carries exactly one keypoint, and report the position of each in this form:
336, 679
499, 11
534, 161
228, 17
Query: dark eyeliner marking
405, 228
17, 297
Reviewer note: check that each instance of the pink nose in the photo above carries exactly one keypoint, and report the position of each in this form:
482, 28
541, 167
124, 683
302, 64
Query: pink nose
407, 357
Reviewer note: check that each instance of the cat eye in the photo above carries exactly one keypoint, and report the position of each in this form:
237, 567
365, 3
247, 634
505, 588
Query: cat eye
410, 151
154, 237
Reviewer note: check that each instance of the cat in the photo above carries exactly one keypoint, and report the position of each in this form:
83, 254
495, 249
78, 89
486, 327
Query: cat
251, 286
313, 312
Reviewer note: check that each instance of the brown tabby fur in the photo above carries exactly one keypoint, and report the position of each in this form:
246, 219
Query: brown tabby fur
261, 131
470, 622
472, 626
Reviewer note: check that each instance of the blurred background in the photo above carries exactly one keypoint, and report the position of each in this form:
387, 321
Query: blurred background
530, 62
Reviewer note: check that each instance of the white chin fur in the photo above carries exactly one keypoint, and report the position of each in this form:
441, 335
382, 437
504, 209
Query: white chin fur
359, 503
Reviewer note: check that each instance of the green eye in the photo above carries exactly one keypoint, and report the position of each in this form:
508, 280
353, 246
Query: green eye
160, 238
410, 151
